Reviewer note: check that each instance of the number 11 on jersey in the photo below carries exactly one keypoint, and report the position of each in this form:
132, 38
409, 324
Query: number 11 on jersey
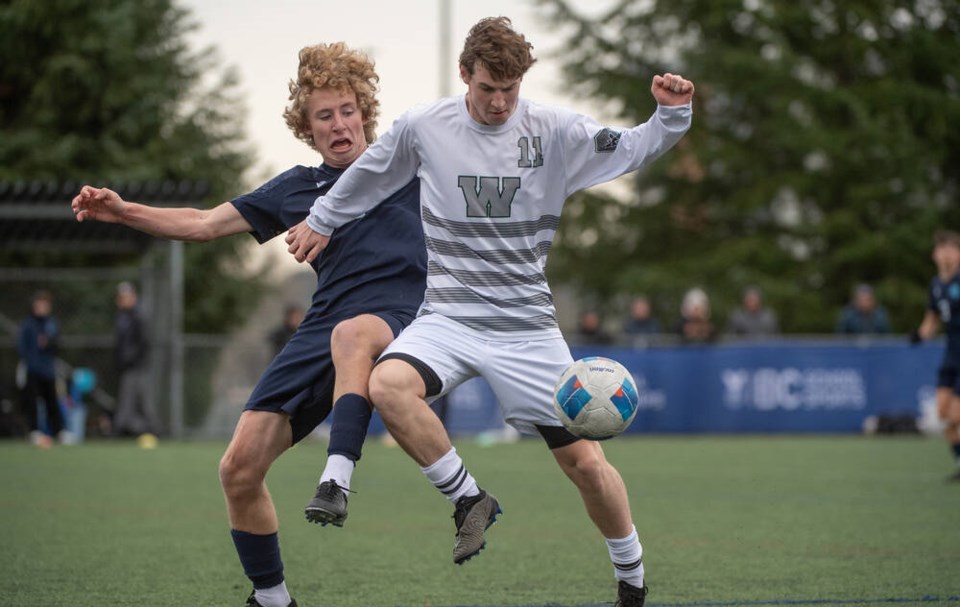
525, 161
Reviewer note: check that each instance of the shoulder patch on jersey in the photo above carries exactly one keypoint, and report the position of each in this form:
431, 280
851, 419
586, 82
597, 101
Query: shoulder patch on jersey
606, 140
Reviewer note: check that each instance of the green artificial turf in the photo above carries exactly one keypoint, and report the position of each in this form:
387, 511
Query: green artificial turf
724, 521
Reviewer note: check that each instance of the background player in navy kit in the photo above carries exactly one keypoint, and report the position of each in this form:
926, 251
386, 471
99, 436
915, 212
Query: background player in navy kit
944, 309
370, 284
495, 171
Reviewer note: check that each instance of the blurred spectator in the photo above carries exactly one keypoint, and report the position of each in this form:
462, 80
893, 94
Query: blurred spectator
695, 325
640, 321
943, 312
37, 346
590, 330
752, 319
864, 315
135, 414
292, 317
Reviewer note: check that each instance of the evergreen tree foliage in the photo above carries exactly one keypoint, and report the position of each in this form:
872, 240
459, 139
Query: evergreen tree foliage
109, 91
824, 152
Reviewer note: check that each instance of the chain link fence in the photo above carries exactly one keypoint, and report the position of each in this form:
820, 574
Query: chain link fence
218, 371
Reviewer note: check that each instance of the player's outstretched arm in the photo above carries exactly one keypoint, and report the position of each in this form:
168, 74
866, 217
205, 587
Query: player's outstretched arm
305, 244
177, 223
929, 326
672, 89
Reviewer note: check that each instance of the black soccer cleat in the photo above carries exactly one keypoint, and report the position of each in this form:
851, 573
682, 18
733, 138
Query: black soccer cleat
252, 601
630, 596
472, 517
328, 506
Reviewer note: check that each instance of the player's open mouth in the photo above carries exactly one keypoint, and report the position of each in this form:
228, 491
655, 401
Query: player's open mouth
340, 145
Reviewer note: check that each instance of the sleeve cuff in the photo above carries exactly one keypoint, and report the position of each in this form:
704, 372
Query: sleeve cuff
675, 116
318, 226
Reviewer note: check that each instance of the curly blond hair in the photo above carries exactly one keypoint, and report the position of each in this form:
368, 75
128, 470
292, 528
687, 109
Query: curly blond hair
494, 44
333, 66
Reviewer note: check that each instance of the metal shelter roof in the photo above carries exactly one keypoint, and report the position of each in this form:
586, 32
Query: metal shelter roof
36, 215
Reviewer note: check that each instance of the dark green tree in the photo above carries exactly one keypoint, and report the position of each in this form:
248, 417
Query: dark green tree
109, 91
824, 152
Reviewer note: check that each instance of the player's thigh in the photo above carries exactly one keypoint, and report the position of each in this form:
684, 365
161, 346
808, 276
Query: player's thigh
523, 376
258, 440
438, 350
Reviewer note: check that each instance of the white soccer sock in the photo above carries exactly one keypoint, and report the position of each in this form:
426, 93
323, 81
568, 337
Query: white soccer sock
276, 596
450, 476
339, 469
627, 557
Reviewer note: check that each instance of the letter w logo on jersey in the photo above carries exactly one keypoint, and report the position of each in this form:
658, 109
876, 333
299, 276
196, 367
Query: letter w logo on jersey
488, 196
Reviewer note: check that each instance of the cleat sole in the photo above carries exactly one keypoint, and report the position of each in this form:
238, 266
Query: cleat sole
324, 518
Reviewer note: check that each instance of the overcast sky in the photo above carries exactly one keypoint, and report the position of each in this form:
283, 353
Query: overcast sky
261, 39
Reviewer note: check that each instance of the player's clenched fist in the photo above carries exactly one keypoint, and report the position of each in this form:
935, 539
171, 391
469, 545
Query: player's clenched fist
100, 204
672, 89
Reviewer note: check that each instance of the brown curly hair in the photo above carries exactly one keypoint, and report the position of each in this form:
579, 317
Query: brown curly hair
498, 47
333, 66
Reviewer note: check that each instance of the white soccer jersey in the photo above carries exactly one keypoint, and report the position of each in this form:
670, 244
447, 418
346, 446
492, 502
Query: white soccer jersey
491, 198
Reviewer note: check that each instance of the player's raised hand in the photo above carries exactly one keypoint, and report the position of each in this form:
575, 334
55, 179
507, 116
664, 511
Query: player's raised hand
305, 244
99, 204
672, 89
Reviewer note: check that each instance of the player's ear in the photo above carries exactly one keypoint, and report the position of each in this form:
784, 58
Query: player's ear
464, 74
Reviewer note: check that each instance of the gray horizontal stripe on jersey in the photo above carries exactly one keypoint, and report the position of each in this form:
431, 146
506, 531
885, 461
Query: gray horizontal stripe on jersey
498, 256
506, 229
466, 296
486, 323
486, 279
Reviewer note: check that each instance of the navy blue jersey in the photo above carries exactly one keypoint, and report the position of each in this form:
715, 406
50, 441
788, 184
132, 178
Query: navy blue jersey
945, 303
375, 263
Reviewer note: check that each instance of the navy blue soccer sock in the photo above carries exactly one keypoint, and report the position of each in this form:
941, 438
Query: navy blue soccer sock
956, 452
260, 557
348, 429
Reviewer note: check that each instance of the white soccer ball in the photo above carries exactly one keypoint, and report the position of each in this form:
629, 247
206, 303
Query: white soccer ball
596, 398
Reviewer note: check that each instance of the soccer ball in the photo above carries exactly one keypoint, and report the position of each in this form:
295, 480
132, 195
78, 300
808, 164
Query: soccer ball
596, 398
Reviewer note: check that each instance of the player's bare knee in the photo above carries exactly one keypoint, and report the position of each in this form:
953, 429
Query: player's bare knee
383, 389
347, 336
392, 384
228, 472
587, 470
356, 338
238, 477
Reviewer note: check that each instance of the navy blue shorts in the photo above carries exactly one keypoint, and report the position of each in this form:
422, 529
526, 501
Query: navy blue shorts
299, 381
948, 375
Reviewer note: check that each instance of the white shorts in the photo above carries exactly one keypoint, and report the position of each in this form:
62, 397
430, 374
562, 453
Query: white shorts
522, 374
